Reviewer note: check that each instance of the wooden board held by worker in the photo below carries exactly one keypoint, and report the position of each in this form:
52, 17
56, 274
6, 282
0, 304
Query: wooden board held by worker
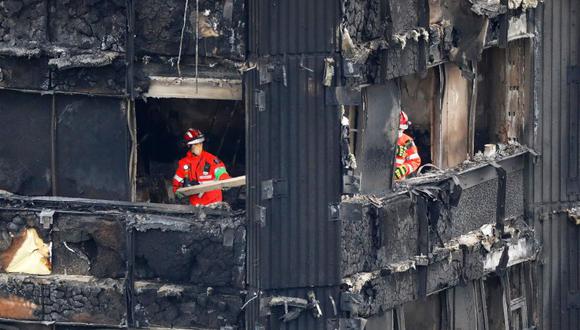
208, 186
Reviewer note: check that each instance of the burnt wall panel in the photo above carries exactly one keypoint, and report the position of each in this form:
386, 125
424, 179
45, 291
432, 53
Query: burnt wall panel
222, 28
515, 193
380, 125
372, 238
477, 207
92, 148
89, 24
62, 299
365, 20
107, 80
185, 306
23, 23
25, 161
292, 26
296, 151
209, 253
32, 73
89, 245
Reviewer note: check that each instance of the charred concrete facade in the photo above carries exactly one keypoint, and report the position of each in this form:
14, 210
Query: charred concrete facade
304, 98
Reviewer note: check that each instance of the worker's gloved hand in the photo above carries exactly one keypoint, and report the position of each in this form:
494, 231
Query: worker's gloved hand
401, 151
400, 172
179, 194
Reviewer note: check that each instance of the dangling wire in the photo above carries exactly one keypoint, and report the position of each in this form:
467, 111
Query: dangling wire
196, 44
181, 38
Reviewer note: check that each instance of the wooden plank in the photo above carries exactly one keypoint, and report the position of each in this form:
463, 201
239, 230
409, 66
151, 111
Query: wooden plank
214, 185
192, 88
455, 117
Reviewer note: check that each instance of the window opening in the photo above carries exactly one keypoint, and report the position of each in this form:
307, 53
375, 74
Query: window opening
161, 125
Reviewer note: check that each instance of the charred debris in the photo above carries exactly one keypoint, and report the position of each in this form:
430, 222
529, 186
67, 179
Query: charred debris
96, 94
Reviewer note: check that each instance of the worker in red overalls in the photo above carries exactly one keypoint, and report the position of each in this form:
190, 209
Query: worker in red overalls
407, 158
199, 166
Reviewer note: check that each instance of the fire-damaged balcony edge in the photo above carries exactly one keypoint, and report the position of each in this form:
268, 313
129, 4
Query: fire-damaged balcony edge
469, 257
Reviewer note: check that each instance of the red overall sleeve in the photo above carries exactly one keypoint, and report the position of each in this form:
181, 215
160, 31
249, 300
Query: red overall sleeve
178, 177
412, 158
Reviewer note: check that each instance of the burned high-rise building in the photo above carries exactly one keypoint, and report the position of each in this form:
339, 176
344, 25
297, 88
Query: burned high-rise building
304, 99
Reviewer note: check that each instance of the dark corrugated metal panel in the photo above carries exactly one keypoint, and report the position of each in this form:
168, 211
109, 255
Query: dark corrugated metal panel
556, 174
292, 26
559, 271
294, 142
557, 136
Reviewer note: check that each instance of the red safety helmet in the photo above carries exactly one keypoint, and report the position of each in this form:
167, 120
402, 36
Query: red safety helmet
193, 136
404, 121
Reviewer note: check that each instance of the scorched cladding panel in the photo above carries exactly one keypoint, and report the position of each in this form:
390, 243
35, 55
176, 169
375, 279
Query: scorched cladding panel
92, 148
25, 147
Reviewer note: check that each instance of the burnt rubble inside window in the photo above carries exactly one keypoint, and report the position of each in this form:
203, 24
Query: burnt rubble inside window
161, 124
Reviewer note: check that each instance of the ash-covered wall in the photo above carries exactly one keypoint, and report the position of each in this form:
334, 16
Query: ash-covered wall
86, 44
122, 264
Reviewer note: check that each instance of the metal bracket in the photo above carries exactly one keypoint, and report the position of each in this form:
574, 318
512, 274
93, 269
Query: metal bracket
267, 189
260, 100
261, 215
350, 184
351, 69
334, 212
46, 218
273, 188
265, 70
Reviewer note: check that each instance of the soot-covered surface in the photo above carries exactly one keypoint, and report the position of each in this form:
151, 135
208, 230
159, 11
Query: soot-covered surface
77, 299
221, 28
187, 263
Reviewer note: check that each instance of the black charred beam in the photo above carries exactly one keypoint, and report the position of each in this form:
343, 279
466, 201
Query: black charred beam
423, 246
130, 46
504, 26
501, 197
130, 281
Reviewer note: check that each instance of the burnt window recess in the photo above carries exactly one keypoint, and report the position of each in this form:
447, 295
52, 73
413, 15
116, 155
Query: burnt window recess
495, 302
503, 95
54, 145
161, 124
437, 103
